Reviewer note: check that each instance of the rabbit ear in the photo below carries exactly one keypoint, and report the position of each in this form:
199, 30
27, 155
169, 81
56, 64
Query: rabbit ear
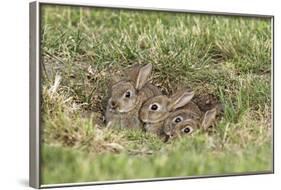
209, 118
143, 76
180, 99
132, 72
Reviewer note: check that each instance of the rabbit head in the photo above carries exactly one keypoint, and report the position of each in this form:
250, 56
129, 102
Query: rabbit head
184, 122
127, 97
124, 96
156, 109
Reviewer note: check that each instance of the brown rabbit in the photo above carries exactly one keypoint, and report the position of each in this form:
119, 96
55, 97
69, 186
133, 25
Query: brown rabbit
185, 120
156, 109
127, 96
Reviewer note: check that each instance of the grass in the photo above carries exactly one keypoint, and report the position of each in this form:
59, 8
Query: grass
228, 57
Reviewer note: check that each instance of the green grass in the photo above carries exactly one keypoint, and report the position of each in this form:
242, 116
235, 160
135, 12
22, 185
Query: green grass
229, 57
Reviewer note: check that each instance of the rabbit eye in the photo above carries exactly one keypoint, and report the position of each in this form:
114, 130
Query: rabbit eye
178, 119
154, 107
187, 130
127, 94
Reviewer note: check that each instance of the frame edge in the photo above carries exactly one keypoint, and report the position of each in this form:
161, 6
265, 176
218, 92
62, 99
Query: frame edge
34, 171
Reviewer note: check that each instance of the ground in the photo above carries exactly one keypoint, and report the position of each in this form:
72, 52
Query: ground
226, 57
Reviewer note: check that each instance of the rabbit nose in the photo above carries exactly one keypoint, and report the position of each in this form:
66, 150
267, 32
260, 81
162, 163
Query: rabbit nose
113, 104
168, 133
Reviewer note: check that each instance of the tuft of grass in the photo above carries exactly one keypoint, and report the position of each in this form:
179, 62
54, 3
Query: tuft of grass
223, 56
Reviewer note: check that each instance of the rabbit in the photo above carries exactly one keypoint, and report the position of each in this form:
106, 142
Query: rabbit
186, 120
155, 110
127, 96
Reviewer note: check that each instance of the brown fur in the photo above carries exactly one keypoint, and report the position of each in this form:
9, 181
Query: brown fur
192, 118
154, 119
123, 111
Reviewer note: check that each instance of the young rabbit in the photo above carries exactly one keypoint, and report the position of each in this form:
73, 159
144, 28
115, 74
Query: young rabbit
127, 96
185, 120
156, 109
